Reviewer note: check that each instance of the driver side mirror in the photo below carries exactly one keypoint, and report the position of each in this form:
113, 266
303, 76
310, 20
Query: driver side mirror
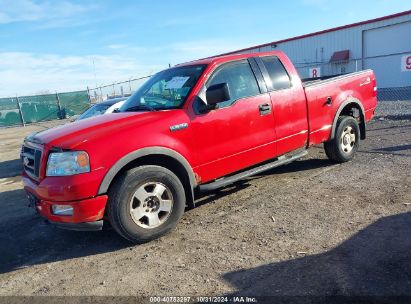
217, 93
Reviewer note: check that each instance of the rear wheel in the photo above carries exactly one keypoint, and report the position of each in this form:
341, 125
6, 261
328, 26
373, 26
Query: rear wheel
146, 203
345, 142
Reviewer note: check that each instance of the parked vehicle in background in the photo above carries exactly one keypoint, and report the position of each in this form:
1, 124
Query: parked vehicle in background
195, 127
115, 107
104, 107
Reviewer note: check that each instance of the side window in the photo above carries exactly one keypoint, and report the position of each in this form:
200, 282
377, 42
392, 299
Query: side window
278, 74
240, 79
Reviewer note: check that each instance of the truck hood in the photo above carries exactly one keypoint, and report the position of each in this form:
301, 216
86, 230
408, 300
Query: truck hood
71, 135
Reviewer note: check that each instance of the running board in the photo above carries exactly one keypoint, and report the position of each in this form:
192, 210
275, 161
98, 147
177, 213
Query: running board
282, 160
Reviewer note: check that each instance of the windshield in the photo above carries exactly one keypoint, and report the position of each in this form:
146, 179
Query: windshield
167, 89
94, 111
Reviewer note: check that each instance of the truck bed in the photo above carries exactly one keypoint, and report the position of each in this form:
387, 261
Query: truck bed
326, 95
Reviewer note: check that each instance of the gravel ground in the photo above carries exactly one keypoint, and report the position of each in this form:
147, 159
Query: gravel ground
308, 228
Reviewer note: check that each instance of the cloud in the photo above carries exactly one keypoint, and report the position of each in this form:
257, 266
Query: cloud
48, 13
27, 73
205, 48
116, 46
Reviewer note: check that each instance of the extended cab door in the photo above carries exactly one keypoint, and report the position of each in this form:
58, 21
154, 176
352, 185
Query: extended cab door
239, 132
288, 101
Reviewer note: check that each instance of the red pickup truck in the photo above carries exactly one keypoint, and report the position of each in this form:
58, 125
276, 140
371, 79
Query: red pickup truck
194, 127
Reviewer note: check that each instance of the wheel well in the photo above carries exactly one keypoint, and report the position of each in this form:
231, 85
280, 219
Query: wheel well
353, 109
167, 162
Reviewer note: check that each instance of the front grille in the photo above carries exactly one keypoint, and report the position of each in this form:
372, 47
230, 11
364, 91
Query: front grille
31, 158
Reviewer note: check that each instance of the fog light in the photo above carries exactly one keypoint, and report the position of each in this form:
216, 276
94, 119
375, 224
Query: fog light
62, 210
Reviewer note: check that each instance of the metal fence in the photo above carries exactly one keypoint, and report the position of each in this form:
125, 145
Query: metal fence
394, 94
387, 69
318, 69
22, 110
116, 89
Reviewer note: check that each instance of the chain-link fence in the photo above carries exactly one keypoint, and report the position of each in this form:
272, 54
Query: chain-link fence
320, 69
22, 110
393, 83
9, 112
394, 94
117, 89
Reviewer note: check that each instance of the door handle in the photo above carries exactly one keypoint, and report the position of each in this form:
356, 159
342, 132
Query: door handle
264, 108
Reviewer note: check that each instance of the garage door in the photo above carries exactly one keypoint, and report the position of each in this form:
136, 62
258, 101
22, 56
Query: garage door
383, 50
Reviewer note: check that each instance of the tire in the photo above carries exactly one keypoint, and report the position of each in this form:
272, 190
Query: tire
145, 203
346, 141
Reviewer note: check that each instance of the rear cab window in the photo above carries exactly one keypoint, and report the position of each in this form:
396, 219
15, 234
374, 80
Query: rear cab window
278, 74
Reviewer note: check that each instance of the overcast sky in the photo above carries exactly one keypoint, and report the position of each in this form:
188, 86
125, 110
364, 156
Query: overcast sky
51, 45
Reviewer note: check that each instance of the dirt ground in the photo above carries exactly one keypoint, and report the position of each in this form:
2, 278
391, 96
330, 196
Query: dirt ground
308, 228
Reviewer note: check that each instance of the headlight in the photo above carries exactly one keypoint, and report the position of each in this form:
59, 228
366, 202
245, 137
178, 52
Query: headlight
67, 163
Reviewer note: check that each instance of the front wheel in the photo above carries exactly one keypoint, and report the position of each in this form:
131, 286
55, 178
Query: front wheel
345, 142
145, 203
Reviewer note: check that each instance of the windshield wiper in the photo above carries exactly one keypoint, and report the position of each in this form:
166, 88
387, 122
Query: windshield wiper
140, 108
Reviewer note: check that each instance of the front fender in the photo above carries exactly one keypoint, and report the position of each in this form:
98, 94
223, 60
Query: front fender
125, 160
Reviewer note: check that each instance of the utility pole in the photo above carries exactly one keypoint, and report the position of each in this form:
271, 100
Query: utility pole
94, 70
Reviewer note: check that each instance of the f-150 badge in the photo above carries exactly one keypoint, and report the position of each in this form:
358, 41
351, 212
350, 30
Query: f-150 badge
178, 127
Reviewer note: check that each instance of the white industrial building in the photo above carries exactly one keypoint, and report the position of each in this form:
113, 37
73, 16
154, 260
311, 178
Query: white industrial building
382, 44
